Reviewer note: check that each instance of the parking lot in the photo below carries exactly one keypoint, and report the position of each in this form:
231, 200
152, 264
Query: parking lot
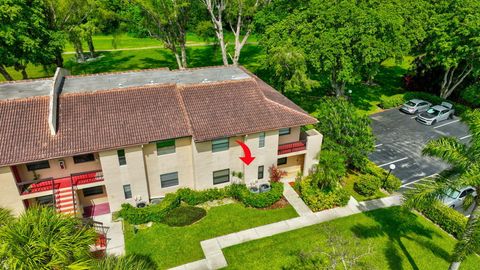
400, 140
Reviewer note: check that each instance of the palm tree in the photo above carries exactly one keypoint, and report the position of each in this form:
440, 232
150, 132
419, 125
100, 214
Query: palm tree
5, 216
128, 262
41, 238
465, 161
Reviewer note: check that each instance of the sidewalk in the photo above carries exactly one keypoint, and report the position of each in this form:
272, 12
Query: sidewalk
212, 248
115, 239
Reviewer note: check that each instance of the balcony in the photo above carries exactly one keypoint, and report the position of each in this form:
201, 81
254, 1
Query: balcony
46, 184
292, 147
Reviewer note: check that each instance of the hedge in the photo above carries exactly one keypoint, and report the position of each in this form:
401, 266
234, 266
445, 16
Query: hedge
447, 218
156, 213
367, 184
392, 184
387, 102
318, 199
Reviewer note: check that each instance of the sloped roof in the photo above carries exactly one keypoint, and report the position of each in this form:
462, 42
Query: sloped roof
93, 121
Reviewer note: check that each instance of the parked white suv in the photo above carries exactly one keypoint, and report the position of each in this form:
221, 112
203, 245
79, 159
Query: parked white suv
436, 114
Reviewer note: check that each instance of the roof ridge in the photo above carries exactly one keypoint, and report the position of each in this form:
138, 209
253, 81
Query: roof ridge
178, 88
26, 80
116, 72
216, 82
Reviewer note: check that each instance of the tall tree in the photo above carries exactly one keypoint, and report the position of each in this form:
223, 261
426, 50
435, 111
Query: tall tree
238, 15
167, 20
41, 238
465, 160
452, 42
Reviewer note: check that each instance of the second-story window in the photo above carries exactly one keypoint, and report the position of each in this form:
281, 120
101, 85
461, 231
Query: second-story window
122, 160
261, 140
38, 165
220, 145
284, 131
83, 158
165, 147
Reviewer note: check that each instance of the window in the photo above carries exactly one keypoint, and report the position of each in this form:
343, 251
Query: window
165, 147
83, 158
127, 191
222, 176
281, 161
38, 165
45, 200
121, 157
260, 172
92, 191
220, 145
284, 131
261, 140
169, 180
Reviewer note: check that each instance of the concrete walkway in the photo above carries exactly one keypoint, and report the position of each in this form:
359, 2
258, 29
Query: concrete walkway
212, 248
295, 200
115, 239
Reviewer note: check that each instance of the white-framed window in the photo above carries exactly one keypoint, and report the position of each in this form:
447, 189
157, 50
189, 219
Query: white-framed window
169, 180
261, 140
284, 131
260, 172
220, 145
122, 160
127, 191
222, 176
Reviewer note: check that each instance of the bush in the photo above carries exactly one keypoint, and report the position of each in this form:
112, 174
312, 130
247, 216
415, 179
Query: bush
392, 184
154, 213
184, 215
330, 169
367, 184
447, 218
192, 197
320, 199
257, 200
471, 94
387, 102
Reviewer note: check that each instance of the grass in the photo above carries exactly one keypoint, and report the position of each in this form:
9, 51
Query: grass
172, 246
400, 240
349, 182
184, 215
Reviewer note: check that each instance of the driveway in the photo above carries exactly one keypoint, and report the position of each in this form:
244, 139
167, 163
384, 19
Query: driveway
400, 140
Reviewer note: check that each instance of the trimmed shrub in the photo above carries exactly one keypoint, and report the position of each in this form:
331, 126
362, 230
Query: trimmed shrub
367, 184
387, 102
149, 213
184, 215
257, 200
320, 199
192, 197
392, 184
447, 218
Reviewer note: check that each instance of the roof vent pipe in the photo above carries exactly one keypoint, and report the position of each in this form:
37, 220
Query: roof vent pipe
58, 78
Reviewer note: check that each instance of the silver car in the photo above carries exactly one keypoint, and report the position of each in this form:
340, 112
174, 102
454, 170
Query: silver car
415, 106
455, 198
436, 114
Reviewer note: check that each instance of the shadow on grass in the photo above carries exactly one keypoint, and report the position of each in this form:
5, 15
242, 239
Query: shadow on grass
398, 225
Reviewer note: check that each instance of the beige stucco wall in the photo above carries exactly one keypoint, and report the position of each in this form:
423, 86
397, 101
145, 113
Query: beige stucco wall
56, 172
180, 162
266, 156
132, 173
10, 198
206, 162
314, 145
294, 136
92, 200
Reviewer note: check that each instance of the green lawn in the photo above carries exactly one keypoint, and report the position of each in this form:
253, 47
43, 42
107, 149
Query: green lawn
142, 59
172, 246
349, 181
400, 240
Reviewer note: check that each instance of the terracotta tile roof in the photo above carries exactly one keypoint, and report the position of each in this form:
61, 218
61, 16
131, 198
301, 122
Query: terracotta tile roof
116, 118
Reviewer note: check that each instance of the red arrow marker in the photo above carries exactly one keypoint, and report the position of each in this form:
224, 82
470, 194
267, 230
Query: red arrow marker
247, 159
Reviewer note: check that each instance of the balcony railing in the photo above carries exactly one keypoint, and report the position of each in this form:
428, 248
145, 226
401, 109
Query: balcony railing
46, 184
292, 147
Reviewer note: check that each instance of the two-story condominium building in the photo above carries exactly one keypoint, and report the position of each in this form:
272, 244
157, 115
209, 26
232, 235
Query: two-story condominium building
87, 144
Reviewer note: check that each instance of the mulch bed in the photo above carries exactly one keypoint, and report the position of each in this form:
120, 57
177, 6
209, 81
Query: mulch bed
279, 204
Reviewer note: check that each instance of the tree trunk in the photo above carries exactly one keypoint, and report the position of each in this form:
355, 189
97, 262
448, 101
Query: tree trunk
454, 266
79, 51
24, 73
183, 52
91, 48
337, 86
218, 24
451, 80
223, 47
5, 73
59, 58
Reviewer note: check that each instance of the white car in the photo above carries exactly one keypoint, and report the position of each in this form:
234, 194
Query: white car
415, 106
455, 198
436, 114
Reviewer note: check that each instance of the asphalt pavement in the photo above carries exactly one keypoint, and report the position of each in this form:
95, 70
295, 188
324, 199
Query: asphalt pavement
400, 140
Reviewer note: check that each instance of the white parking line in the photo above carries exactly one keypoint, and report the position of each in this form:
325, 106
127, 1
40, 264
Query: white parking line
446, 124
378, 145
418, 180
464, 137
392, 162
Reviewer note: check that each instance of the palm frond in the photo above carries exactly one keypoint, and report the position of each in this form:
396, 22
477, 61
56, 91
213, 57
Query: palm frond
472, 119
470, 241
471, 176
429, 191
448, 149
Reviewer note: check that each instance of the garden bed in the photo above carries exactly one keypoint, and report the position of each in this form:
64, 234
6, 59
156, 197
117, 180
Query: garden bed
348, 184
